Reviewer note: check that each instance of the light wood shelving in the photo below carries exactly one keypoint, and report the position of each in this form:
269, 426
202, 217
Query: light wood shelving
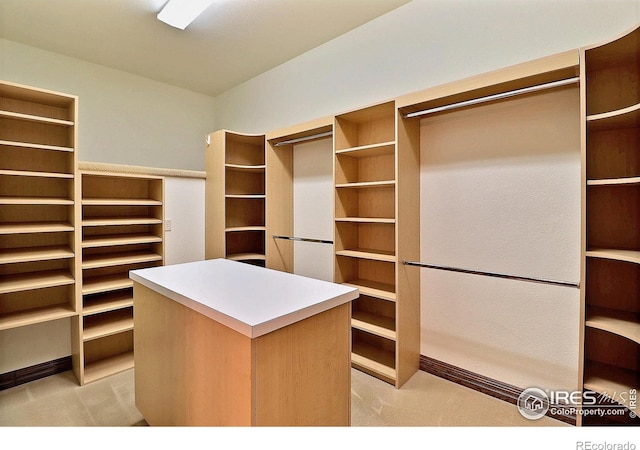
611, 204
122, 230
39, 253
369, 207
236, 197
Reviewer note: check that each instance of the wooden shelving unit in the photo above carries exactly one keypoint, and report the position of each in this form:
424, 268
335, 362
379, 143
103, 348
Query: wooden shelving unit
611, 201
39, 253
369, 208
122, 230
235, 193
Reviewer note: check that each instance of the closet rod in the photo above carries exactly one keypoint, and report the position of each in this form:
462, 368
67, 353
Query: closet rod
304, 139
493, 97
493, 274
291, 238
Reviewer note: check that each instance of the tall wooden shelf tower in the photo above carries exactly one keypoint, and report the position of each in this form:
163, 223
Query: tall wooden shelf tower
376, 187
611, 235
39, 193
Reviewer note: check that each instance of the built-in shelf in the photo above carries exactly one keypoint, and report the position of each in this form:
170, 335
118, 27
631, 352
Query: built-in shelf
108, 366
246, 168
118, 239
622, 118
35, 227
34, 280
367, 151
374, 359
36, 315
27, 173
247, 257
609, 380
36, 146
622, 323
107, 302
30, 254
107, 324
119, 221
375, 289
632, 256
118, 259
366, 219
376, 255
367, 184
379, 325
247, 228
106, 283
120, 202
35, 201
245, 196
32, 118
614, 181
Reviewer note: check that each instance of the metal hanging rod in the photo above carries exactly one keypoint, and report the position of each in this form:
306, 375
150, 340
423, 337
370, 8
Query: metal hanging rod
304, 139
291, 238
493, 274
493, 97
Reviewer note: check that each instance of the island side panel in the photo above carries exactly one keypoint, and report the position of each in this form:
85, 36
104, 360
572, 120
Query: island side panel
303, 372
189, 369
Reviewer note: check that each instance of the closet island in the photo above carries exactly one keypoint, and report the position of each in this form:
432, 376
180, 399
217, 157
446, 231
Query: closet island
223, 343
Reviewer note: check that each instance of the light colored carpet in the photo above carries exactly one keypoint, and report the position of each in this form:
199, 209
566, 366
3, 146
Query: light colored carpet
424, 400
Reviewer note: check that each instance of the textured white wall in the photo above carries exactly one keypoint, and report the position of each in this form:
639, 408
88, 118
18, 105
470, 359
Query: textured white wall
184, 205
313, 208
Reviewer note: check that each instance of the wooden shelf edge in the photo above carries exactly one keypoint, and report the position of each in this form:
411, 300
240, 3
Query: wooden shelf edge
36, 146
105, 329
626, 325
632, 256
373, 289
378, 326
247, 257
609, 380
33, 254
33, 118
625, 181
36, 174
367, 184
368, 254
371, 364
34, 316
366, 220
364, 148
36, 280
108, 366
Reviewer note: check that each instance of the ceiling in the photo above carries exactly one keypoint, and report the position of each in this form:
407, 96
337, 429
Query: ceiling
231, 42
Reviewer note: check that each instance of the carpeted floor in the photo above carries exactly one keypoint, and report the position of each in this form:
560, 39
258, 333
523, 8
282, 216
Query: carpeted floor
425, 400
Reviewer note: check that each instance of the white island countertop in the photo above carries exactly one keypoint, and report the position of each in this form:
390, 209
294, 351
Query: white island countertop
251, 300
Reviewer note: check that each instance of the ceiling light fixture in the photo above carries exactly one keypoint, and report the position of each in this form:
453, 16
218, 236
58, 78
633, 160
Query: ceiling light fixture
180, 13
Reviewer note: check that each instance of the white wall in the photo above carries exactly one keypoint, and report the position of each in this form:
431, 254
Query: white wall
123, 118
313, 208
421, 44
184, 205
